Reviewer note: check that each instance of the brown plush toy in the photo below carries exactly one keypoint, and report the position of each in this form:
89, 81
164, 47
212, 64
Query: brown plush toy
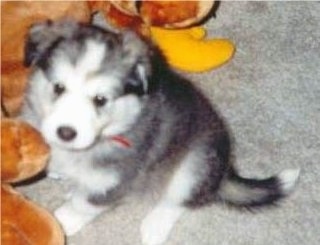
174, 27
139, 15
23, 155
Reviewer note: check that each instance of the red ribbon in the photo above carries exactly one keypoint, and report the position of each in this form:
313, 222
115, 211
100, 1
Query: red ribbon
123, 141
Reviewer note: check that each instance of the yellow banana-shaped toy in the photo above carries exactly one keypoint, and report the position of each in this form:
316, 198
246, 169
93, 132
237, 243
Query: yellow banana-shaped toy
188, 50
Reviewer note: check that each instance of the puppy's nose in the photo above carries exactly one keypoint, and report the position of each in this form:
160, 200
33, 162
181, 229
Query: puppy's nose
66, 133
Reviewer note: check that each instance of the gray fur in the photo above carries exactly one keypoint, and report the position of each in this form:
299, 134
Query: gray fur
175, 119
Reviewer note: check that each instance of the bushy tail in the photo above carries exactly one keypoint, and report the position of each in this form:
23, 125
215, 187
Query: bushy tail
245, 192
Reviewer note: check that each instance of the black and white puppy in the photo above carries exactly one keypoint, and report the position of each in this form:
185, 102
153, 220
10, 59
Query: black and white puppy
115, 117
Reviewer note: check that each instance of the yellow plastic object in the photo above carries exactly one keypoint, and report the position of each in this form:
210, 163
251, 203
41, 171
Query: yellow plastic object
188, 50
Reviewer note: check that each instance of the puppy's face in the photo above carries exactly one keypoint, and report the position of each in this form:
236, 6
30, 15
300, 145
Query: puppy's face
87, 83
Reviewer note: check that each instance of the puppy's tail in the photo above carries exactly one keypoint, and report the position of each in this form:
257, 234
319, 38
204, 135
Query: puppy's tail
246, 192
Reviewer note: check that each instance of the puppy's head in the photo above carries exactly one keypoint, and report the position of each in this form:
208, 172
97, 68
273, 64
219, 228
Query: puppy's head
87, 82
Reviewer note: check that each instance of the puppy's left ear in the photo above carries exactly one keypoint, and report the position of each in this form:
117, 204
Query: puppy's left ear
42, 36
136, 81
137, 53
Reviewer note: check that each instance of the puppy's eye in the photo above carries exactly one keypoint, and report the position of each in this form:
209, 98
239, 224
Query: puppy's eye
59, 89
99, 100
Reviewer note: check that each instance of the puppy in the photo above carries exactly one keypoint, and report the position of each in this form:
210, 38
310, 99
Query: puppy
116, 116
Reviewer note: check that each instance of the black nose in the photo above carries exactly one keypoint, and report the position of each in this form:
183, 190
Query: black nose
66, 133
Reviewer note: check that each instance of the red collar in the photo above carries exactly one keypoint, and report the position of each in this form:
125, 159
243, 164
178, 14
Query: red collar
121, 140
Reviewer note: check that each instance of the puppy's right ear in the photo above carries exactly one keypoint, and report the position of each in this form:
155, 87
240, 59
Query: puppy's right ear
42, 36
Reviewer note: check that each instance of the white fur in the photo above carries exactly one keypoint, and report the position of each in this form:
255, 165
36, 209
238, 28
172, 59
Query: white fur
185, 178
74, 108
81, 171
88, 64
124, 114
74, 111
288, 179
39, 95
101, 182
76, 213
92, 58
142, 74
157, 225
65, 72
104, 85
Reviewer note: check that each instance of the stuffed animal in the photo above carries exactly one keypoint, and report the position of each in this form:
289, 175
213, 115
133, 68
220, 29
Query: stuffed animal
169, 23
16, 19
189, 50
23, 155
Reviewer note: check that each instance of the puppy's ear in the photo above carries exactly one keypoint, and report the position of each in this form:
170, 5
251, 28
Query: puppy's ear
136, 81
98, 19
136, 54
42, 36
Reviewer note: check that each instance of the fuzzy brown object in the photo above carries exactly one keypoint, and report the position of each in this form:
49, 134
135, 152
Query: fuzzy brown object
174, 14
139, 15
23, 155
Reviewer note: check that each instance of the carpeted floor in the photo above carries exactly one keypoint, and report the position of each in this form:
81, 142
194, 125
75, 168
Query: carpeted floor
270, 95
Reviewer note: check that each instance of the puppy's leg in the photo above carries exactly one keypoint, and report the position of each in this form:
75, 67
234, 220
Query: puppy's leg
80, 209
77, 212
157, 225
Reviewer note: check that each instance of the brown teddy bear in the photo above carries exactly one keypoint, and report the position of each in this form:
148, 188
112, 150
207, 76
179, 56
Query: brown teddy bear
23, 155
140, 15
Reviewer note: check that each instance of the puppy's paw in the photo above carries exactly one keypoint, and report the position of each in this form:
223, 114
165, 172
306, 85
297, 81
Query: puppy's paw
55, 176
152, 233
156, 227
72, 220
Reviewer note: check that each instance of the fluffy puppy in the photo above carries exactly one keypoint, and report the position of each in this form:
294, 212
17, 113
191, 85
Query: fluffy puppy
115, 115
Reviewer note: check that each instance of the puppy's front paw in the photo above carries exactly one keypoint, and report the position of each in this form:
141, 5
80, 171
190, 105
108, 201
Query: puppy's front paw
55, 176
70, 219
